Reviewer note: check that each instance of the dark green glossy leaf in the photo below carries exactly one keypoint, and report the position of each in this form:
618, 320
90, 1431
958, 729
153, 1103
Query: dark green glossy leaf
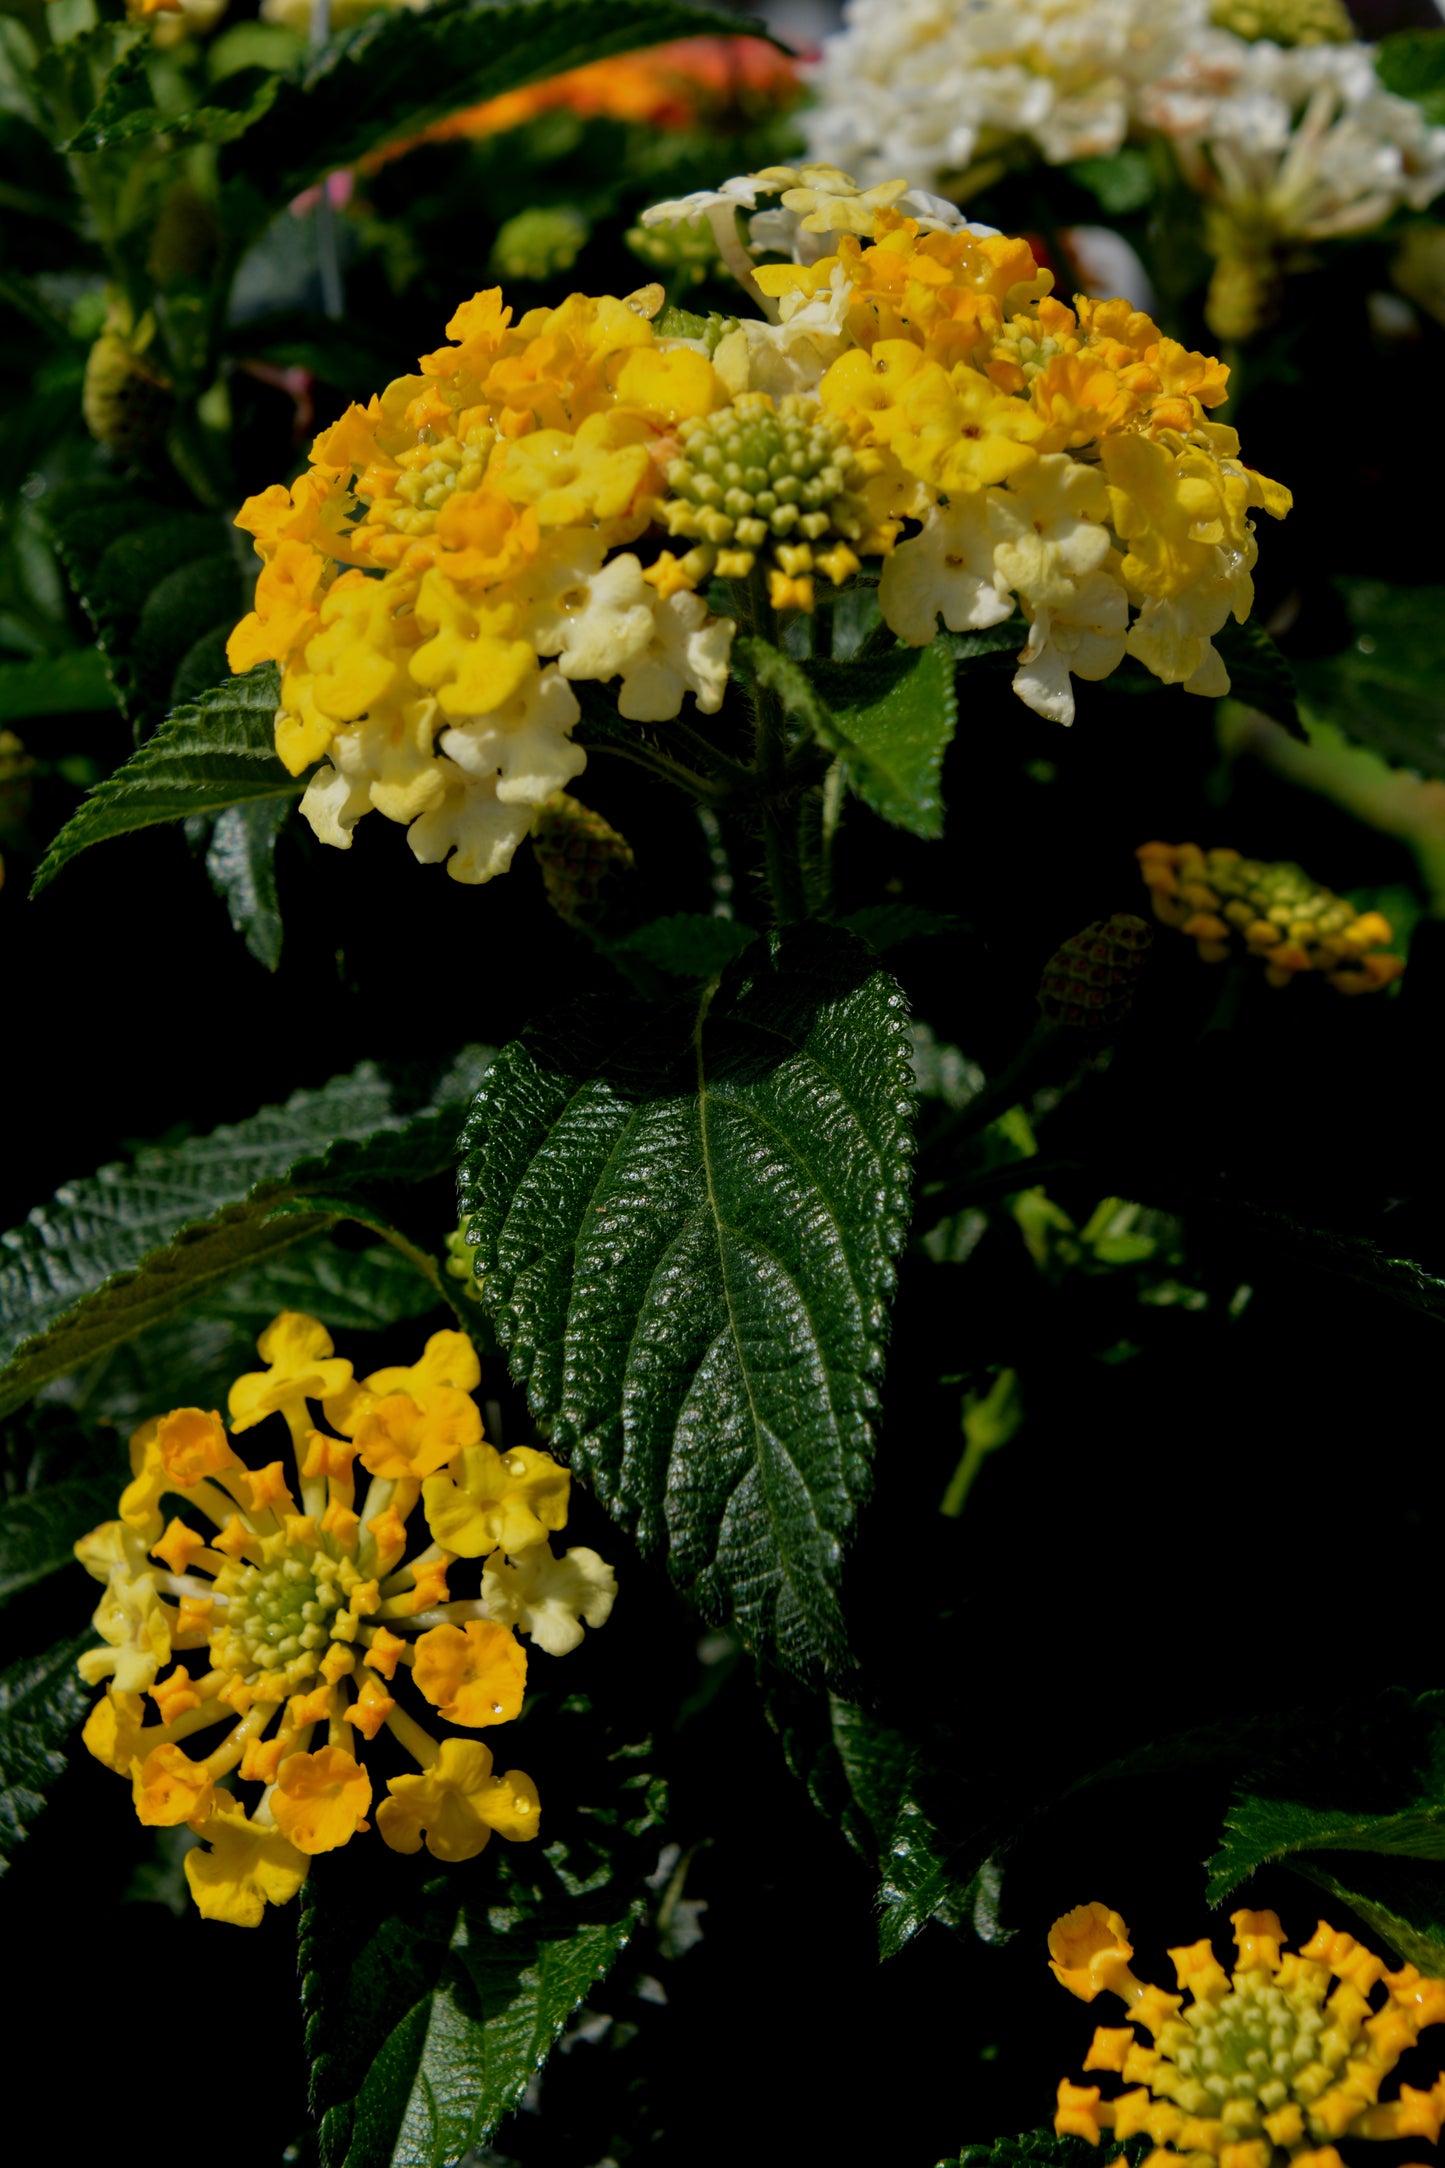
685, 1226
71, 684
888, 717
216, 753
885, 925
241, 861
134, 1243
1384, 688
125, 91
42, 1701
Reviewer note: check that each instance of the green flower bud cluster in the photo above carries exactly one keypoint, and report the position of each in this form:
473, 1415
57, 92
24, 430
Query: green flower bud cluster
126, 400
537, 245
284, 1612
781, 481
1286, 22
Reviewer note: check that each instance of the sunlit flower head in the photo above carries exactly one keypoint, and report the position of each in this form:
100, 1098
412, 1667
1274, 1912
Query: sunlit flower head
1270, 2063
320, 1616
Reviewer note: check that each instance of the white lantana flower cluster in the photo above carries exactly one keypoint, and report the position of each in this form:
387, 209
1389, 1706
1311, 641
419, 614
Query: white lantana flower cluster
1299, 139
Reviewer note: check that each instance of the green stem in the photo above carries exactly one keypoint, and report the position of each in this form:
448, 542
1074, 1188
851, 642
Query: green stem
770, 758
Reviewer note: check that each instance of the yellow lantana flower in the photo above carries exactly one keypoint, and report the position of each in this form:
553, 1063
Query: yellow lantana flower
311, 1615
1265, 2064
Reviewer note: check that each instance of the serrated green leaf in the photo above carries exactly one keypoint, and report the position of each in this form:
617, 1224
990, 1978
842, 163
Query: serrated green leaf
190, 1357
1043, 2149
236, 104
1259, 675
1258, 1831
1418, 1939
42, 1701
38, 1528
217, 752
391, 74
1384, 689
425, 2030
75, 683
152, 579
135, 1243
1350, 1257
888, 717
685, 1225
690, 945
241, 862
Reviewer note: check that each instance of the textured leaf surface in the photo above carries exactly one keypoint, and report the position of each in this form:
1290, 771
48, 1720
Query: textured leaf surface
1412, 1924
215, 754
1384, 689
190, 1357
153, 579
241, 862
1258, 673
39, 1527
685, 1235
1042, 2149
1258, 1831
394, 73
117, 1252
41, 1702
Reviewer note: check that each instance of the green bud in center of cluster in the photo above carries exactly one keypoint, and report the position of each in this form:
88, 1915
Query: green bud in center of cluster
779, 483
287, 1609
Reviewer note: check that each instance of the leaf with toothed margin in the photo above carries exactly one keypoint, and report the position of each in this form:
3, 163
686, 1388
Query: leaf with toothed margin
685, 1221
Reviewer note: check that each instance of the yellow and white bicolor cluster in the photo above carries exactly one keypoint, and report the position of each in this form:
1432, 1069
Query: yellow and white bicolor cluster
459, 554
308, 1613
1274, 2063
1010, 453
486, 535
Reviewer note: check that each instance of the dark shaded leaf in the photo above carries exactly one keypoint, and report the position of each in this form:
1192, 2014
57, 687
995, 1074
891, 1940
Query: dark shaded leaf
392, 74
1412, 64
1412, 1924
38, 1528
216, 753
71, 684
134, 1243
1258, 673
685, 1224
241, 861
690, 945
1384, 689
42, 1700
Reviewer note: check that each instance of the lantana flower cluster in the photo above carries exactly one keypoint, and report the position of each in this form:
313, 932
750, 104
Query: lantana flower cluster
1275, 111
1018, 453
1228, 905
488, 533
314, 1606
1277, 2061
